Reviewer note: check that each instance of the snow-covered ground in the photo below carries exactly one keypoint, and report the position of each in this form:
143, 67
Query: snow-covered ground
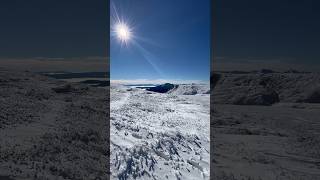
159, 135
266, 126
266, 142
52, 129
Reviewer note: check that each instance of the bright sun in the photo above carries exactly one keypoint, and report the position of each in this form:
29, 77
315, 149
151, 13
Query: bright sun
123, 32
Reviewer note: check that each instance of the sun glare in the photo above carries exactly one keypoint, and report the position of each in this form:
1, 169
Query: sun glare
123, 32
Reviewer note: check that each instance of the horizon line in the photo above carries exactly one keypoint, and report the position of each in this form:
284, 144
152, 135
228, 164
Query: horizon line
157, 81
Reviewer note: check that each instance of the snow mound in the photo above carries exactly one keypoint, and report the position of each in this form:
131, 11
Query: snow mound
190, 89
259, 96
313, 96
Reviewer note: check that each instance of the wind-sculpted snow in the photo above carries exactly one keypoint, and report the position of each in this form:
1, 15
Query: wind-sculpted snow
159, 135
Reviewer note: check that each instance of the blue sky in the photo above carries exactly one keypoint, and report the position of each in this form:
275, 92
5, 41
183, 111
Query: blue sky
53, 28
54, 35
251, 34
171, 40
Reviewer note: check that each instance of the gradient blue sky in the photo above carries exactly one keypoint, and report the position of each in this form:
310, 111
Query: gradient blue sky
53, 28
54, 35
172, 40
267, 34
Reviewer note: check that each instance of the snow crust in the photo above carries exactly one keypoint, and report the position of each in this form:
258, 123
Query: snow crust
159, 135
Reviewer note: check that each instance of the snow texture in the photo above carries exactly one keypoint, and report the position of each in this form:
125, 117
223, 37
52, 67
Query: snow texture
160, 135
51, 129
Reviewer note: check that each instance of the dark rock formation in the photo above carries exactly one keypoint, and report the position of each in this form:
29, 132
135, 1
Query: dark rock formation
163, 88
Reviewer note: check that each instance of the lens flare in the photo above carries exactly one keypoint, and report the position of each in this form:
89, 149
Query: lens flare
123, 32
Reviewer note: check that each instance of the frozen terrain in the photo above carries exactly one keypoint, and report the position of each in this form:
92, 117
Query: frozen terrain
266, 126
51, 129
160, 135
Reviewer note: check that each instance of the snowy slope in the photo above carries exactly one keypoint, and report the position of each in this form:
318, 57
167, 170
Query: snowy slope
159, 135
280, 141
266, 142
266, 88
190, 89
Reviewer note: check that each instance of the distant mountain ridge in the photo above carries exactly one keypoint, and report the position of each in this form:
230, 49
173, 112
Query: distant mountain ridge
265, 88
181, 89
69, 75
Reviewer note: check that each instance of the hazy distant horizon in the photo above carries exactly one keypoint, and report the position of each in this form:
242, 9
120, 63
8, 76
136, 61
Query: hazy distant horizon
56, 64
256, 64
54, 35
156, 81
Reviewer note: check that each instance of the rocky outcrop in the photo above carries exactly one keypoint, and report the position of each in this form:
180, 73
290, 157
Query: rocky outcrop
163, 88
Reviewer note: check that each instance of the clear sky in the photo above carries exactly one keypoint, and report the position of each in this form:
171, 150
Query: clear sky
260, 34
170, 40
58, 31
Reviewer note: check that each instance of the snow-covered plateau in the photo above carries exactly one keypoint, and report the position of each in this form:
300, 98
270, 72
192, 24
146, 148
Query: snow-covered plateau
266, 126
51, 129
160, 135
